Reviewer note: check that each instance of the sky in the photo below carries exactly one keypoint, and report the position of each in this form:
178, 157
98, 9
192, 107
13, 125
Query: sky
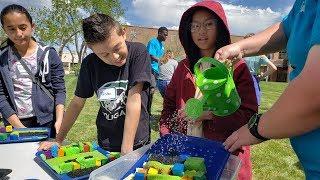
244, 16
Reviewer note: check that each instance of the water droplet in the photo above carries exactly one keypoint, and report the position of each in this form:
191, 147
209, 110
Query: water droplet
215, 82
218, 94
206, 87
228, 101
225, 111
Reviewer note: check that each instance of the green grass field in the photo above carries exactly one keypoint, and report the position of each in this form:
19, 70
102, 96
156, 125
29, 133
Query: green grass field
271, 160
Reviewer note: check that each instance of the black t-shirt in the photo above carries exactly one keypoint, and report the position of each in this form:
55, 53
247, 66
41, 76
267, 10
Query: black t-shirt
111, 85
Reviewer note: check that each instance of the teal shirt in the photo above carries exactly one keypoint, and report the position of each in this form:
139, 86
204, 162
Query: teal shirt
255, 62
156, 49
302, 29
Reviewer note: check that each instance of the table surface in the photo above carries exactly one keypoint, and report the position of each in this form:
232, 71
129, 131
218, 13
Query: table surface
20, 158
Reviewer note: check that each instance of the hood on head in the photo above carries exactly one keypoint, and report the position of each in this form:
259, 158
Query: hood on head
223, 38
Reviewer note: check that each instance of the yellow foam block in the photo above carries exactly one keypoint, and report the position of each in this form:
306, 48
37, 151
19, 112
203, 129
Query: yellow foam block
153, 171
75, 165
98, 163
9, 128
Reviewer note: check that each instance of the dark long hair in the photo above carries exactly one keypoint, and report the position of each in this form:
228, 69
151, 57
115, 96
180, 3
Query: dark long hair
15, 8
191, 49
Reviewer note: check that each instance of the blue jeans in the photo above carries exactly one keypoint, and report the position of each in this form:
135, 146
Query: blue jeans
162, 86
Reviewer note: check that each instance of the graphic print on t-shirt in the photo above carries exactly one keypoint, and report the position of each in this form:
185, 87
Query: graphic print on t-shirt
112, 97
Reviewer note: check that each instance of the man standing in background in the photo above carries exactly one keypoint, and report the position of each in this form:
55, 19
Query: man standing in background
156, 50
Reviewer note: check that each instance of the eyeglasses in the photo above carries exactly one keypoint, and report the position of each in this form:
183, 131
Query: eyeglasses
208, 25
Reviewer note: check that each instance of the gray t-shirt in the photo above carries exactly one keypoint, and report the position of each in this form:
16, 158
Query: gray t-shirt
22, 83
167, 70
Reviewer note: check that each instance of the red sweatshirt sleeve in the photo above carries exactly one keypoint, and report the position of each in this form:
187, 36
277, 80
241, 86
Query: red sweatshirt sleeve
169, 105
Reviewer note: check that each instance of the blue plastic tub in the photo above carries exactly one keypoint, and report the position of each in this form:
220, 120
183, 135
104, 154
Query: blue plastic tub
31, 138
64, 176
175, 144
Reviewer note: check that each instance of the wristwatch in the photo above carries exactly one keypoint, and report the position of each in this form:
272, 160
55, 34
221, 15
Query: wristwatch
253, 127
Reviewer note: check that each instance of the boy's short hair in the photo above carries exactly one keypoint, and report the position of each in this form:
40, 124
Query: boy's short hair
98, 27
161, 29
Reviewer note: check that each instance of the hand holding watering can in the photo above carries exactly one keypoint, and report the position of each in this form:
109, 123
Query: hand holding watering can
216, 83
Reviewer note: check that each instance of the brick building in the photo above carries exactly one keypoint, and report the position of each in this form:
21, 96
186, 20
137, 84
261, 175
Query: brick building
143, 35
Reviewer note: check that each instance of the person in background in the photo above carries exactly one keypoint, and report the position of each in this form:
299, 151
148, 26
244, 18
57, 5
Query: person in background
254, 64
296, 114
156, 50
166, 70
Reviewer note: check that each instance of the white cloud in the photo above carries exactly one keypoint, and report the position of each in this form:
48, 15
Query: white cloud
241, 19
161, 12
123, 20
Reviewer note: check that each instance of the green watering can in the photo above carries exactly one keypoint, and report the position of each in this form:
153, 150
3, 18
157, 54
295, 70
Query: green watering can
217, 86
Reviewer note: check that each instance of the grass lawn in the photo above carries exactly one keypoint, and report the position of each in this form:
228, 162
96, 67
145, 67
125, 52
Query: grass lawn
271, 160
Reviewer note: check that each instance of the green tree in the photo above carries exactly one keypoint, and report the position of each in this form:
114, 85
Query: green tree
60, 24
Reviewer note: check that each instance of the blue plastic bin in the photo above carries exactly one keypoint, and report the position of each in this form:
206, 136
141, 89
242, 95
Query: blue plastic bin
32, 138
175, 144
64, 176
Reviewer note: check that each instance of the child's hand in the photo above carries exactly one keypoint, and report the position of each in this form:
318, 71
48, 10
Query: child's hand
206, 115
57, 126
45, 145
239, 138
125, 149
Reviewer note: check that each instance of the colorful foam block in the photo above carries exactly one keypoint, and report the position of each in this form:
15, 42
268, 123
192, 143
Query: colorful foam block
199, 176
43, 157
153, 171
14, 136
95, 146
86, 148
54, 150
48, 154
3, 136
139, 176
3, 130
195, 163
190, 174
98, 163
178, 169
75, 165
66, 167
72, 150
86, 163
162, 177
9, 129
104, 161
90, 145
115, 154
60, 152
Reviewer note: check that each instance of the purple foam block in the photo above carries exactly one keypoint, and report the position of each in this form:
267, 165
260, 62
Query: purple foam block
48, 154
2, 130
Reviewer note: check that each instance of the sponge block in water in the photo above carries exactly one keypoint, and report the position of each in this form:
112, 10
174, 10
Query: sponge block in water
195, 163
178, 169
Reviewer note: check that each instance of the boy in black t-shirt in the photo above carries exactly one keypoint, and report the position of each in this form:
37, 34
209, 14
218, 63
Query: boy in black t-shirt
119, 73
